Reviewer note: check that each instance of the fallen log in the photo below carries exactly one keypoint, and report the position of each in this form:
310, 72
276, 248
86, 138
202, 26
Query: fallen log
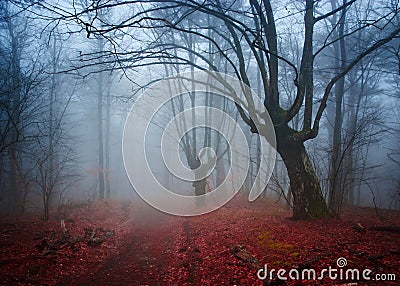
91, 237
8, 227
241, 253
100, 235
64, 230
394, 229
358, 227
311, 262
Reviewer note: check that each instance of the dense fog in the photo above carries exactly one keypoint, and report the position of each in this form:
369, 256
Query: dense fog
70, 72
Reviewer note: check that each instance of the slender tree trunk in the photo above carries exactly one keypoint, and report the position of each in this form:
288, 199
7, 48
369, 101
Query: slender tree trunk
247, 181
107, 141
350, 170
100, 124
335, 177
15, 105
100, 140
336, 172
13, 197
53, 133
46, 206
220, 171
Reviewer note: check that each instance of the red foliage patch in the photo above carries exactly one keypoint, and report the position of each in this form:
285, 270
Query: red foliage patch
137, 245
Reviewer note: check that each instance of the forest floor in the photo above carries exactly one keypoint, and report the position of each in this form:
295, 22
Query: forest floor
123, 243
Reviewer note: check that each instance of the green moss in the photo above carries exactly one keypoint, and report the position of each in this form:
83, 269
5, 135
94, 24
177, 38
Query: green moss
281, 263
267, 239
277, 115
317, 208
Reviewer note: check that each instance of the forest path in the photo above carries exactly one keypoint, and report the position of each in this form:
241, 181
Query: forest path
153, 248
144, 251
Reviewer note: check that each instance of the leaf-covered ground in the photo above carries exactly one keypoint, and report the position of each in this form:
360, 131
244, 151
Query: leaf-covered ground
146, 247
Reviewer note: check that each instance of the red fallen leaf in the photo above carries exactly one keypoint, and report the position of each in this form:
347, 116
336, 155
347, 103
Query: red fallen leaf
146, 246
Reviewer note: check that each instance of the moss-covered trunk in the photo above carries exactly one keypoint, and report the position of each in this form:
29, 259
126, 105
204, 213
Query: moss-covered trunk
308, 200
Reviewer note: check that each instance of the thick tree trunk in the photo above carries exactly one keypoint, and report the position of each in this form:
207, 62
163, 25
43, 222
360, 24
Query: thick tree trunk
199, 185
308, 201
199, 190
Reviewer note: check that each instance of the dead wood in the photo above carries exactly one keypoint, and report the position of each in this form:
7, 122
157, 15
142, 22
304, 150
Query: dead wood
91, 237
100, 235
358, 227
311, 261
241, 253
64, 230
394, 229
11, 227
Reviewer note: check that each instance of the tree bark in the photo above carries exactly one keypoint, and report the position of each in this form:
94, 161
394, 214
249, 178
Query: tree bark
16, 84
107, 141
354, 105
336, 172
199, 185
308, 201
100, 137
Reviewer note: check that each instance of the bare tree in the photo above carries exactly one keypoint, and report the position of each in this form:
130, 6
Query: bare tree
19, 105
253, 27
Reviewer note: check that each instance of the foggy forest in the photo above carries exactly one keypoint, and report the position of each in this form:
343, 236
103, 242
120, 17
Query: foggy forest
186, 142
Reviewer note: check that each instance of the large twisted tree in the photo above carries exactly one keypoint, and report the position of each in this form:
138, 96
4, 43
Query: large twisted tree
245, 37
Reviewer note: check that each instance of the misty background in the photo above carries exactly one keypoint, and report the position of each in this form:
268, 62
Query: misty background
70, 72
